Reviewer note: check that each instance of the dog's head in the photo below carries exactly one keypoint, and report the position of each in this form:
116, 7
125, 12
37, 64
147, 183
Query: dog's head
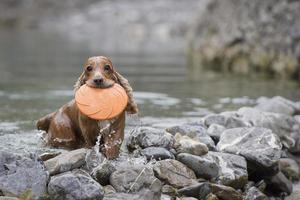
99, 72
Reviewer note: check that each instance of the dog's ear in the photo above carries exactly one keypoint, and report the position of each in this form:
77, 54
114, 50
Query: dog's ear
131, 106
80, 81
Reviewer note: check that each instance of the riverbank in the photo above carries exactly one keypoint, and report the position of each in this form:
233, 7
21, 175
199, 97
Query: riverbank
247, 153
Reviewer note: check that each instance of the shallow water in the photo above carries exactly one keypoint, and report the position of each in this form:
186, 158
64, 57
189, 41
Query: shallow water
37, 73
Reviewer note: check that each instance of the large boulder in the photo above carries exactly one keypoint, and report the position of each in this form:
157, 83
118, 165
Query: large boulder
260, 146
174, 173
74, 185
134, 179
66, 161
22, 173
195, 131
150, 137
241, 37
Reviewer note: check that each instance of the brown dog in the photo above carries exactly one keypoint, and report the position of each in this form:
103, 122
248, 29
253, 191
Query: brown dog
69, 128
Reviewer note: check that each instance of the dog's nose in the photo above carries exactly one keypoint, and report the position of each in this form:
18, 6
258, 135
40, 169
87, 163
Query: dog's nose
98, 80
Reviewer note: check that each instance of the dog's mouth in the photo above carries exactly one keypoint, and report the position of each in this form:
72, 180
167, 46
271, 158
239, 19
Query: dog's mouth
102, 85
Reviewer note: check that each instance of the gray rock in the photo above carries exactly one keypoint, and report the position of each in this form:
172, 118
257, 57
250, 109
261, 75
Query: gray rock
202, 190
224, 119
93, 158
255, 194
198, 190
66, 161
22, 173
141, 195
227, 169
157, 153
174, 173
73, 185
195, 131
281, 125
232, 169
289, 168
278, 104
150, 137
279, 184
258, 145
203, 166
185, 144
134, 179
215, 131
103, 172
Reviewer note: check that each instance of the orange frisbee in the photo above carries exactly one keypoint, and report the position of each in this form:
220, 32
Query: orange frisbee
101, 104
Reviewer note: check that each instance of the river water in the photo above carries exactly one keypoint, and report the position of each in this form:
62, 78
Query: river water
37, 73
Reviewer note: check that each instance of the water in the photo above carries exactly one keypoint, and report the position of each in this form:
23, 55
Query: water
37, 73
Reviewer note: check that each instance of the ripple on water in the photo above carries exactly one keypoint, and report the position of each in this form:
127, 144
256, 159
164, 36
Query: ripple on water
159, 99
8, 127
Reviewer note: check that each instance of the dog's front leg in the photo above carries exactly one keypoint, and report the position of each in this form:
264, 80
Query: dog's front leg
113, 140
89, 130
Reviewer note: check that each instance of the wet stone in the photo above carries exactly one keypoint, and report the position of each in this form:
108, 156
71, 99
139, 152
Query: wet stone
278, 104
232, 169
203, 166
259, 146
157, 153
195, 131
103, 172
215, 131
198, 190
74, 185
66, 161
22, 173
134, 179
174, 173
150, 137
224, 119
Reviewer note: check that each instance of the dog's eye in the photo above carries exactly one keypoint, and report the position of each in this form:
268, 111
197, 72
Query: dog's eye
89, 68
106, 67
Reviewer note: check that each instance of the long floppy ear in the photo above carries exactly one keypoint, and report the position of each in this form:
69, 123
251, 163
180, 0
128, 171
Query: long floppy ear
131, 106
80, 81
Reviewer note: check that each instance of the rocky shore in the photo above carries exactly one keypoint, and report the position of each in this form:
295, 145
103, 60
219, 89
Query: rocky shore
250, 153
